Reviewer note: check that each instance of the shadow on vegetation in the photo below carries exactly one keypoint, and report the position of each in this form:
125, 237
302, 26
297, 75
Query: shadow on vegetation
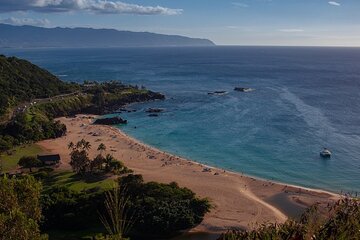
69, 178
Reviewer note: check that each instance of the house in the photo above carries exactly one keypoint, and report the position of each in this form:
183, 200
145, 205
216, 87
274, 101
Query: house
49, 160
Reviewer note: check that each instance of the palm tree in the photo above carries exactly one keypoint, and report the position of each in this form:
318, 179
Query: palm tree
71, 146
83, 144
108, 159
118, 220
79, 144
86, 145
101, 148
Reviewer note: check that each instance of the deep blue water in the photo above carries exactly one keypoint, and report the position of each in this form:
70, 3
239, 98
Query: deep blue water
305, 99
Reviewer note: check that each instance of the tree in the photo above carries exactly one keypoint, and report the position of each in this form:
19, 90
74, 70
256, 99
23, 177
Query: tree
108, 160
20, 211
71, 146
97, 163
99, 98
163, 209
29, 162
118, 220
101, 148
79, 161
66, 209
84, 145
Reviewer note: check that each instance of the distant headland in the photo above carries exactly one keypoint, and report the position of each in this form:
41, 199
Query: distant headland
38, 37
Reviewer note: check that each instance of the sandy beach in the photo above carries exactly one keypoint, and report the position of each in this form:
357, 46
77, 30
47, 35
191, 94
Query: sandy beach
239, 201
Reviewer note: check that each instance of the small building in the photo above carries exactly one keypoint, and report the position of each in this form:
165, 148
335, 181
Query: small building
49, 160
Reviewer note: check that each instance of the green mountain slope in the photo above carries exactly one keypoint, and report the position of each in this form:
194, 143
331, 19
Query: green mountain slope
22, 81
31, 97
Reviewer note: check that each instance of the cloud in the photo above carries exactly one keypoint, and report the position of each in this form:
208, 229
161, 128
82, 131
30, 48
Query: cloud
291, 30
94, 6
334, 3
26, 21
240, 5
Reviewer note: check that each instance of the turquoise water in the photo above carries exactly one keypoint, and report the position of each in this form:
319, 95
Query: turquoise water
304, 99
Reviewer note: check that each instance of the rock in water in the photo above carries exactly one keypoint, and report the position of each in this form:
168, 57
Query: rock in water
110, 121
154, 110
217, 93
242, 89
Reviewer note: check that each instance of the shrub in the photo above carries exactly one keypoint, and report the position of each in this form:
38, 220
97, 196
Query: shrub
20, 210
340, 221
29, 162
162, 209
64, 209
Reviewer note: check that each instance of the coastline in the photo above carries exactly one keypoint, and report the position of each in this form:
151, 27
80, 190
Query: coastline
240, 201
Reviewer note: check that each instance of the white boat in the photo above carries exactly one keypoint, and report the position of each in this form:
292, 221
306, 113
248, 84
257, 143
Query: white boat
325, 153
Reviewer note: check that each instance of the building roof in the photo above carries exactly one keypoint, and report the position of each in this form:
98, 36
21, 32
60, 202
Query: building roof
53, 157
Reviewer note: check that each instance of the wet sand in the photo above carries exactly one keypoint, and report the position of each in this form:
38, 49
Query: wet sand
239, 201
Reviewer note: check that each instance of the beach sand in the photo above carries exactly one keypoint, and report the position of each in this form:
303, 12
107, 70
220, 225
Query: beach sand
239, 201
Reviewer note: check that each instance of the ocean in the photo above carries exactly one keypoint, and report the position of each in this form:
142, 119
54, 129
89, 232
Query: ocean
304, 99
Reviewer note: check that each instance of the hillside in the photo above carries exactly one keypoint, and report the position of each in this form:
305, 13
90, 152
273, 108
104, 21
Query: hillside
29, 36
31, 97
21, 81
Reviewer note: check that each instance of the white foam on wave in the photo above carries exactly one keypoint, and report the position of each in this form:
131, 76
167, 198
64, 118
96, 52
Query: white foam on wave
320, 124
313, 116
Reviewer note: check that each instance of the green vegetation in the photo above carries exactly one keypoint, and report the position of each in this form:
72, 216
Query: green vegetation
29, 162
339, 222
117, 220
22, 81
31, 125
83, 165
75, 182
71, 208
20, 211
10, 161
152, 209
31, 97
66, 209
64, 106
162, 209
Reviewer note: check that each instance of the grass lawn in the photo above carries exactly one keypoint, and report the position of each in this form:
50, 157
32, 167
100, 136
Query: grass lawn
76, 183
9, 162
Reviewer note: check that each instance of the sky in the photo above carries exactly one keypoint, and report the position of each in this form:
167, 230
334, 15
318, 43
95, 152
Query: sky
225, 22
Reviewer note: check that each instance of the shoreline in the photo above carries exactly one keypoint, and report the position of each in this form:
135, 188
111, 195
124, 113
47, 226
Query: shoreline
240, 200
223, 169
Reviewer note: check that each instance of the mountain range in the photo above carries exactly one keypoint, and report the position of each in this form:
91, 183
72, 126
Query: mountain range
38, 37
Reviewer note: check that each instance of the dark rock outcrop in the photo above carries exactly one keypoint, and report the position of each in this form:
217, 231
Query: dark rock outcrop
154, 110
217, 93
117, 105
242, 89
110, 121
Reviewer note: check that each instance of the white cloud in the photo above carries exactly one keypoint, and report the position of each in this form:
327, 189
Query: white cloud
334, 3
26, 21
95, 6
291, 30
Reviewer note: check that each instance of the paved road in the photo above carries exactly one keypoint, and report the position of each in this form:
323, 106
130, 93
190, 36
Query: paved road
24, 106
